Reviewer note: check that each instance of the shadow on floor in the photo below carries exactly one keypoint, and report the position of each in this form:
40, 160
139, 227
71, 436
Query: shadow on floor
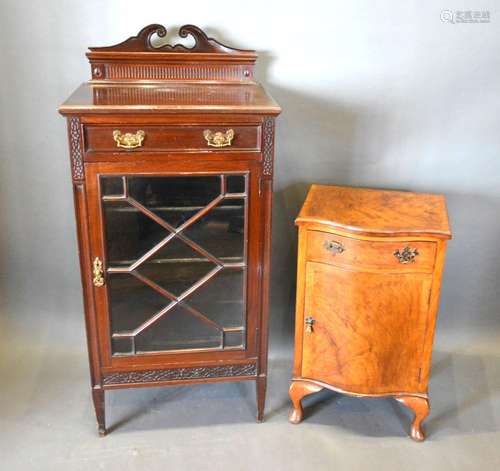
464, 393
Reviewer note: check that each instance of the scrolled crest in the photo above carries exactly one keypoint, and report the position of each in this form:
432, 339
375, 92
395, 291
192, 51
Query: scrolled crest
142, 42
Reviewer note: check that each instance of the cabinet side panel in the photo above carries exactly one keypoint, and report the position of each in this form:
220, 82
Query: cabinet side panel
433, 310
75, 140
267, 188
86, 276
299, 306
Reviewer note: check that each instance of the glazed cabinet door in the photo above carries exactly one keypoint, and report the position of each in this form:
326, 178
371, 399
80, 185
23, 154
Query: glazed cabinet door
173, 263
364, 331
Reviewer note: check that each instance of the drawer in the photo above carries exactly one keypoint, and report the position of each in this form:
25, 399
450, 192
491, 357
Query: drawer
411, 256
176, 138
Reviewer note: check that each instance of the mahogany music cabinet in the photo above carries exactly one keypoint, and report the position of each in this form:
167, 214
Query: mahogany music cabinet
172, 163
369, 275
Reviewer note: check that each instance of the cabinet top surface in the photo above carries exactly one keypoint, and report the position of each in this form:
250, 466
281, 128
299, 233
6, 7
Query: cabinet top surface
376, 212
170, 97
143, 75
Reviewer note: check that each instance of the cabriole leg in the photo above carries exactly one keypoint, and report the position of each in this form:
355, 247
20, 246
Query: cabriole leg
420, 406
298, 390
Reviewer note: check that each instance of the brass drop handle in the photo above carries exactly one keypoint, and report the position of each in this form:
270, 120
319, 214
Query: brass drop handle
218, 138
128, 140
407, 255
98, 273
309, 324
334, 246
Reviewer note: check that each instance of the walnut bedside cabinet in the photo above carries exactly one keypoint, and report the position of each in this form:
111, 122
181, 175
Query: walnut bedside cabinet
369, 275
172, 162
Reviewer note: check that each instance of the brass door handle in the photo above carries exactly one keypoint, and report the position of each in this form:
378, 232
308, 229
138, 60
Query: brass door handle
98, 273
407, 255
218, 138
333, 246
309, 324
128, 140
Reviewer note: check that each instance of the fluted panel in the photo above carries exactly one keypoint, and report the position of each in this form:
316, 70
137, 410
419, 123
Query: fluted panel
173, 72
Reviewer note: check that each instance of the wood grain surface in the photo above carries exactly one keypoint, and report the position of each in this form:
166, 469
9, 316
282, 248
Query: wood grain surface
366, 314
376, 212
173, 94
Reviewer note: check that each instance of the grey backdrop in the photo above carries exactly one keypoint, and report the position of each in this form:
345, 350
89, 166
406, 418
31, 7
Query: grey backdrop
379, 94
385, 97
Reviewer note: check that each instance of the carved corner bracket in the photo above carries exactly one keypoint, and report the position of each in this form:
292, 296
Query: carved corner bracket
268, 146
75, 148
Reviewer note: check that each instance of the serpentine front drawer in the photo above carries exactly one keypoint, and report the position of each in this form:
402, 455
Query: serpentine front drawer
405, 256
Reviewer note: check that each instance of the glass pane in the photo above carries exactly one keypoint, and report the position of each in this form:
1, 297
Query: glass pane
131, 302
176, 267
123, 345
129, 233
177, 281
235, 184
234, 339
178, 329
221, 299
112, 186
221, 230
174, 199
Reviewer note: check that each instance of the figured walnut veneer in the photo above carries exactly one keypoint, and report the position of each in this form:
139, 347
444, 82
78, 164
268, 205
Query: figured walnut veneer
369, 276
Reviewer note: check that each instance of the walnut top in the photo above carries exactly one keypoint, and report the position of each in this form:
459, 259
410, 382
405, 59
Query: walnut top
376, 212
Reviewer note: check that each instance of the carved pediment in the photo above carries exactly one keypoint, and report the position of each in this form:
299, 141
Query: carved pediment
142, 42
139, 58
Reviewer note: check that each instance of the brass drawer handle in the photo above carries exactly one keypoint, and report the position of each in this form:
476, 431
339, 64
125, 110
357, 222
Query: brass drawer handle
333, 246
128, 140
407, 255
98, 273
309, 324
218, 139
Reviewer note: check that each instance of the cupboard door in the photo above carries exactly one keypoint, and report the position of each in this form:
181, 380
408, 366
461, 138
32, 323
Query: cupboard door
368, 329
175, 262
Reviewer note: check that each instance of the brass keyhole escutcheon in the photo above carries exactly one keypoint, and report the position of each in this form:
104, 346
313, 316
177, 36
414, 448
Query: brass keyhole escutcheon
333, 246
98, 273
309, 324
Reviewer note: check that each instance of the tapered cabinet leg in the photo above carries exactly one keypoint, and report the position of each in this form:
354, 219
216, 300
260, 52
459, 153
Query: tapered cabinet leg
420, 406
260, 386
98, 398
298, 390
